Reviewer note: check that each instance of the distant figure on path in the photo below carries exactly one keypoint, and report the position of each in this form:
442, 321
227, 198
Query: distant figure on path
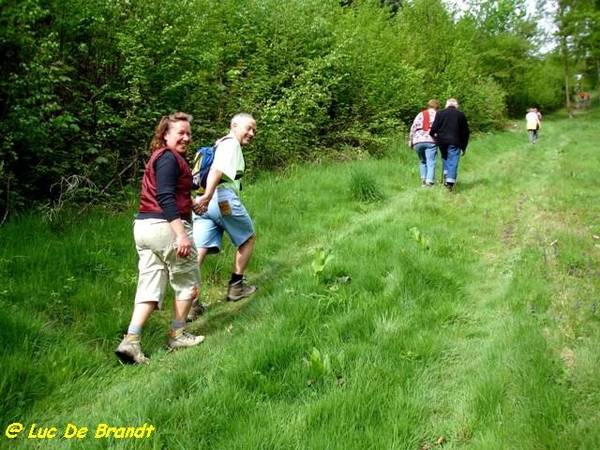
220, 209
163, 239
451, 131
424, 144
532, 122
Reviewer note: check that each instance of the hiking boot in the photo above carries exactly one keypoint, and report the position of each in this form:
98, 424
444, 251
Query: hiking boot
182, 339
196, 311
239, 290
129, 350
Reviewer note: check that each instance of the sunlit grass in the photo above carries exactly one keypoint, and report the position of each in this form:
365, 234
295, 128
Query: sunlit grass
392, 317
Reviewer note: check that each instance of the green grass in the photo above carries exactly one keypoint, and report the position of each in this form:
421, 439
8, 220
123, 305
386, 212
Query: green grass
464, 320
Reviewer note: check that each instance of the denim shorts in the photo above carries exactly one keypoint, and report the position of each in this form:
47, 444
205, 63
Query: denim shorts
225, 213
159, 264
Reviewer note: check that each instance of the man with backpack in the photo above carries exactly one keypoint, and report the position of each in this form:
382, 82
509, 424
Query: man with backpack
219, 209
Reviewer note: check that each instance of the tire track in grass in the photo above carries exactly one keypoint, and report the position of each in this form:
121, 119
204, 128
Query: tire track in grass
461, 400
497, 377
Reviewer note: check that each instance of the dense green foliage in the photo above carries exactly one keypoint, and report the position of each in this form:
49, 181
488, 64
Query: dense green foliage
400, 320
82, 83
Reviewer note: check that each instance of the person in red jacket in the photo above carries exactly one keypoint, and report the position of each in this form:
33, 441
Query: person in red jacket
163, 238
424, 144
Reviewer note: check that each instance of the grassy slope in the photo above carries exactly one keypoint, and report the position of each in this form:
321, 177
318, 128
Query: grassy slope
482, 333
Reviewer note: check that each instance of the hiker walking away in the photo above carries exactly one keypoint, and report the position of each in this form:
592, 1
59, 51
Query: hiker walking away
451, 131
164, 239
424, 144
220, 209
532, 122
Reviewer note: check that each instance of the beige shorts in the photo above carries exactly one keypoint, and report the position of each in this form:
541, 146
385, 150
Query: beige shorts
159, 264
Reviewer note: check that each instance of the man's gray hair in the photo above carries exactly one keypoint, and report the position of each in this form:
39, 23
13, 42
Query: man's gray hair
241, 117
452, 102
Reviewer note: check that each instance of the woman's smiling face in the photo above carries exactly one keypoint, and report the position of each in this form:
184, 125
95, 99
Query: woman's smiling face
178, 136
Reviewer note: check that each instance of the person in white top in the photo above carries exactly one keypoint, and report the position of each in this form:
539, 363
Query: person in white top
532, 122
220, 209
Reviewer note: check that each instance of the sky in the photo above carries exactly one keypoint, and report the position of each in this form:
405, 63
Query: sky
545, 23
531, 4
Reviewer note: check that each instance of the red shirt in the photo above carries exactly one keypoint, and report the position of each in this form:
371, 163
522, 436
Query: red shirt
165, 200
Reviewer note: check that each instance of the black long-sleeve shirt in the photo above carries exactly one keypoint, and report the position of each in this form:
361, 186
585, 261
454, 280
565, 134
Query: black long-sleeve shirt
450, 127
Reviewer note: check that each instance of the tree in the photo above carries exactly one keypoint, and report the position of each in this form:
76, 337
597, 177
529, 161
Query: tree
578, 23
588, 43
505, 48
83, 83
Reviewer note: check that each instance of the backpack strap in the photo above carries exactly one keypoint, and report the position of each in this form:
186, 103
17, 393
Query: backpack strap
217, 143
426, 121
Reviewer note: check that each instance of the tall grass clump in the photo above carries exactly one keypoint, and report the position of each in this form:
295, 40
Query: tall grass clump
363, 187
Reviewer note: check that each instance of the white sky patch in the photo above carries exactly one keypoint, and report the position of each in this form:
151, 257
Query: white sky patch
545, 20
462, 5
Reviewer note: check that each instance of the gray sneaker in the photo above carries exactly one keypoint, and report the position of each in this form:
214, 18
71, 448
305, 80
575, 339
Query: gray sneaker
182, 339
196, 311
239, 290
129, 350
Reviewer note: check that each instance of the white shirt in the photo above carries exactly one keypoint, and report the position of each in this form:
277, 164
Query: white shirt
229, 159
